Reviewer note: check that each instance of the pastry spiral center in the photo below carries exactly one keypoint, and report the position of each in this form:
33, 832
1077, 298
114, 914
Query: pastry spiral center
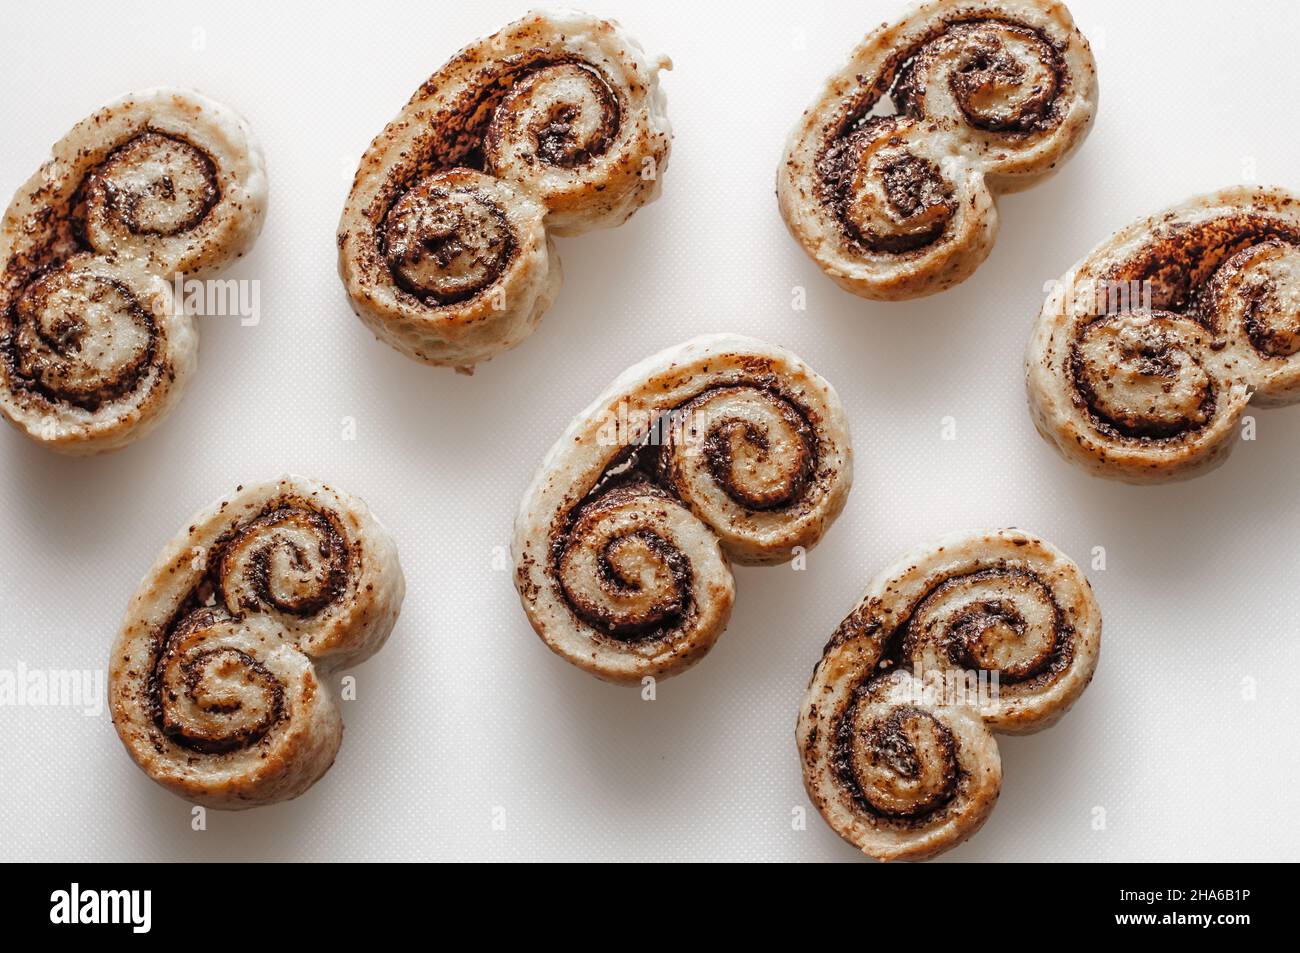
887, 197
153, 185
444, 241
1005, 77
80, 337
1140, 377
902, 762
620, 569
211, 694
559, 115
1269, 280
291, 559
994, 620
755, 447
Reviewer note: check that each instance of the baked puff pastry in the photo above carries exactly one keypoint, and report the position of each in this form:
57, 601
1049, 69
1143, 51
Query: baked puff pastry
720, 449
553, 126
889, 178
221, 680
973, 634
1146, 354
95, 347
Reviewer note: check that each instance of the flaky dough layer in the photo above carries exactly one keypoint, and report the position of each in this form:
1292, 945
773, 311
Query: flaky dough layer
95, 348
221, 677
722, 448
553, 126
971, 634
1147, 353
985, 98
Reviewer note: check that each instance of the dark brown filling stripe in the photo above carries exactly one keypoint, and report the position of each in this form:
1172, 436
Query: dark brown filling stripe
194, 686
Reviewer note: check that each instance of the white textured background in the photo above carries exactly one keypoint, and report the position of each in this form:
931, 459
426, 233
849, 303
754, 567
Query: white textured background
1186, 739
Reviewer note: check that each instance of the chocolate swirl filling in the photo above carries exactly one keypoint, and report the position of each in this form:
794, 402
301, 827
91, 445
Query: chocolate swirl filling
209, 689
72, 333
1266, 278
292, 559
562, 114
1143, 373
887, 199
1004, 77
998, 619
79, 338
900, 762
1179, 261
899, 765
1003, 620
445, 242
1140, 376
210, 697
619, 568
757, 446
154, 184
616, 560
486, 114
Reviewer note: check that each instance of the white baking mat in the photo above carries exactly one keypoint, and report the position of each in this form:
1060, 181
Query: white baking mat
468, 739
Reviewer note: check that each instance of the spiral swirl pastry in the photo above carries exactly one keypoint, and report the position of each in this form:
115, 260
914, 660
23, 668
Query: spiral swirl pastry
974, 634
888, 179
553, 126
721, 449
221, 678
1142, 363
94, 346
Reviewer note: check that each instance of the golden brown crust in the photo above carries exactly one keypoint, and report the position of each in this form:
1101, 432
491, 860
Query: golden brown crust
94, 346
989, 97
220, 680
722, 445
552, 126
1146, 354
971, 634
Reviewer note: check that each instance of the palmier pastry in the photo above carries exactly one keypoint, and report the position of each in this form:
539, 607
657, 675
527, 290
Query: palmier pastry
553, 126
221, 681
95, 347
889, 178
723, 448
1146, 354
974, 634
